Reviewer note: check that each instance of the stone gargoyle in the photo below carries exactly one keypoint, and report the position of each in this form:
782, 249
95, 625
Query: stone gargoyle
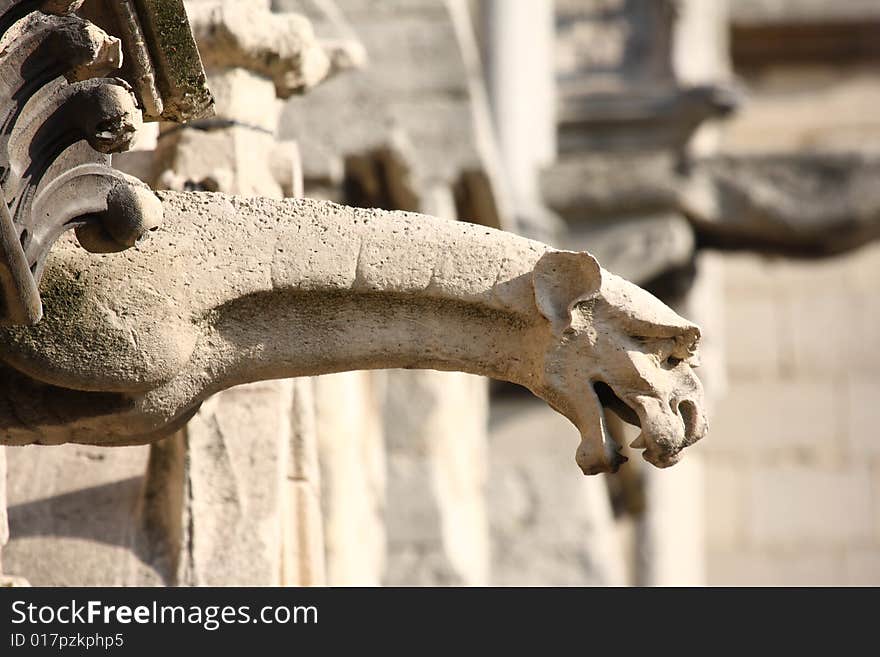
232, 290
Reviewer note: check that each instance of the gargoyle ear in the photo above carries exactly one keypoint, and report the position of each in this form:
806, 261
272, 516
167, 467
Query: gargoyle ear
561, 279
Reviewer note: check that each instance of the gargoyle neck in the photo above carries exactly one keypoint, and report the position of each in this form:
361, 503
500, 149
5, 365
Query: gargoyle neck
313, 287
313, 334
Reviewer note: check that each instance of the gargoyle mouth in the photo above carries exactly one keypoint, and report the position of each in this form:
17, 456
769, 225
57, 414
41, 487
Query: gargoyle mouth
609, 399
667, 428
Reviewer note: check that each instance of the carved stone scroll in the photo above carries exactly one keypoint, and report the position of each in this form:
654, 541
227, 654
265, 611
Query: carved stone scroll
61, 118
59, 122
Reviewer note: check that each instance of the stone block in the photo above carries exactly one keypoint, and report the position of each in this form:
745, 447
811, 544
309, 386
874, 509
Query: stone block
752, 337
352, 455
302, 561
862, 566
747, 276
875, 470
777, 417
817, 332
725, 503
436, 437
795, 506
73, 517
4, 520
863, 417
759, 568
549, 525
864, 356
863, 270
234, 509
673, 536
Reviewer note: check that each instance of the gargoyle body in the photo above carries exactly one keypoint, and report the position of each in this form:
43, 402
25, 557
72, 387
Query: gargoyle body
232, 290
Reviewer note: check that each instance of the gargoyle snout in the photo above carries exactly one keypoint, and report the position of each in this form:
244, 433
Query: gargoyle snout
666, 432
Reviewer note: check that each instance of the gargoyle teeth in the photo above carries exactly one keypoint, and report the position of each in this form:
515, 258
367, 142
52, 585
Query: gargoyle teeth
639, 443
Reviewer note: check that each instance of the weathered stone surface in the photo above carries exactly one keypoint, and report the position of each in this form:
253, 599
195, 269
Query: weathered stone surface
281, 542
161, 62
60, 121
281, 47
521, 322
75, 518
233, 486
234, 159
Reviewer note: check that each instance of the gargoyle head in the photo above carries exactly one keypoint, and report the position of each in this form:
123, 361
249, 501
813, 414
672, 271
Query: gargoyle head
613, 344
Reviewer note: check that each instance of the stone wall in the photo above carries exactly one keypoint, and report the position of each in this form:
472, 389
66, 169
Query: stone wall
793, 458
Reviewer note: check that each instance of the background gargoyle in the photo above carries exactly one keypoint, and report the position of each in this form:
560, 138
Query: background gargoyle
231, 290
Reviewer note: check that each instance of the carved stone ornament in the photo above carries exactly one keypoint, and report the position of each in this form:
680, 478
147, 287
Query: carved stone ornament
230, 290
233, 290
61, 118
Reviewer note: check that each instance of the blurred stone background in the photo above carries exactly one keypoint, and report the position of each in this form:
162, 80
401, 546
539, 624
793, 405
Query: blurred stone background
582, 123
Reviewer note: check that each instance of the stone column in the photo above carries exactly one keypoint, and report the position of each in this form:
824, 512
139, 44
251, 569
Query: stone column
551, 526
522, 90
351, 444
